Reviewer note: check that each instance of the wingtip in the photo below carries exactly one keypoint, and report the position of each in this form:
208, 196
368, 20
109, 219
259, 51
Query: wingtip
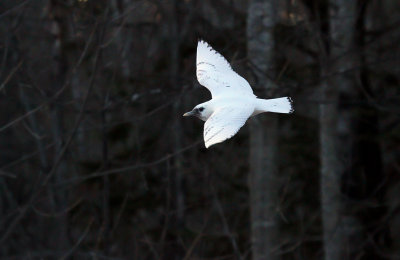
205, 50
201, 42
208, 144
291, 105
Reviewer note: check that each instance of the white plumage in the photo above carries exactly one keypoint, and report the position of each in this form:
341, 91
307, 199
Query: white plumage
215, 73
233, 101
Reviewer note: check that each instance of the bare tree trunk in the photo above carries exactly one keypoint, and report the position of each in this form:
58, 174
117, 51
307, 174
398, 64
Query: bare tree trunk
264, 180
336, 128
174, 249
106, 219
366, 183
343, 15
330, 177
58, 15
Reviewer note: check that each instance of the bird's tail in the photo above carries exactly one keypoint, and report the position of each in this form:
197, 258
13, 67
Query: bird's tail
276, 105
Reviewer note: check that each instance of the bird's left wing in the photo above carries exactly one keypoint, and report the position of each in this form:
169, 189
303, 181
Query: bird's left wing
215, 73
225, 122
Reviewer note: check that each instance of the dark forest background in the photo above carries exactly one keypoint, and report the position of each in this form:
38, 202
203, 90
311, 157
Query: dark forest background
97, 162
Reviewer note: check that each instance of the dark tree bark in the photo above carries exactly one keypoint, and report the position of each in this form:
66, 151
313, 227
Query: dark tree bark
364, 183
335, 123
175, 220
59, 29
264, 176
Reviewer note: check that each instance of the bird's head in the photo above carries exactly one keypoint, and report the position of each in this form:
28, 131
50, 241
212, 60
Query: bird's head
202, 111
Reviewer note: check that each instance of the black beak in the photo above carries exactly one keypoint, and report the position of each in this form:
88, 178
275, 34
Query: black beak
191, 113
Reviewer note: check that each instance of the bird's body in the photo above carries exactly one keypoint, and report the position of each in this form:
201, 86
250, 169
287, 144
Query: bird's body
218, 102
233, 101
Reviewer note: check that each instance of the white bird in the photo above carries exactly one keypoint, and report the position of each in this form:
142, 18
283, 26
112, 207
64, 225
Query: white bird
233, 101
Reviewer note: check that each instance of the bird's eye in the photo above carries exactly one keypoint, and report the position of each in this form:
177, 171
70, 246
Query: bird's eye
201, 109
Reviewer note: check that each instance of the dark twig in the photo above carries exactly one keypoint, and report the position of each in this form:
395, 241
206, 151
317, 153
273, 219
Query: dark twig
57, 162
132, 167
225, 225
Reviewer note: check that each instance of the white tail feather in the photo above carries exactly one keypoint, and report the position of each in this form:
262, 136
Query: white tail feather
276, 105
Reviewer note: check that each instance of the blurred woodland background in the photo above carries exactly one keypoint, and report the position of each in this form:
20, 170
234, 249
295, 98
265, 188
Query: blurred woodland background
97, 162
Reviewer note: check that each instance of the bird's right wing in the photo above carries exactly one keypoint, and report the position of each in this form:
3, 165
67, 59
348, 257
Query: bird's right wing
225, 122
216, 74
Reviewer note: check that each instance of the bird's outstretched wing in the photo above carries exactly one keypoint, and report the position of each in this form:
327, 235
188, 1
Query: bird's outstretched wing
216, 74
225, 122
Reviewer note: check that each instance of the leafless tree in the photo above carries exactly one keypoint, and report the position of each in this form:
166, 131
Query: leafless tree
264, 175
97, 162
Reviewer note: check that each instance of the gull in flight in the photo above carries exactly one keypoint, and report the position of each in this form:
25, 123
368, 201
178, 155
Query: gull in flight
233, 101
